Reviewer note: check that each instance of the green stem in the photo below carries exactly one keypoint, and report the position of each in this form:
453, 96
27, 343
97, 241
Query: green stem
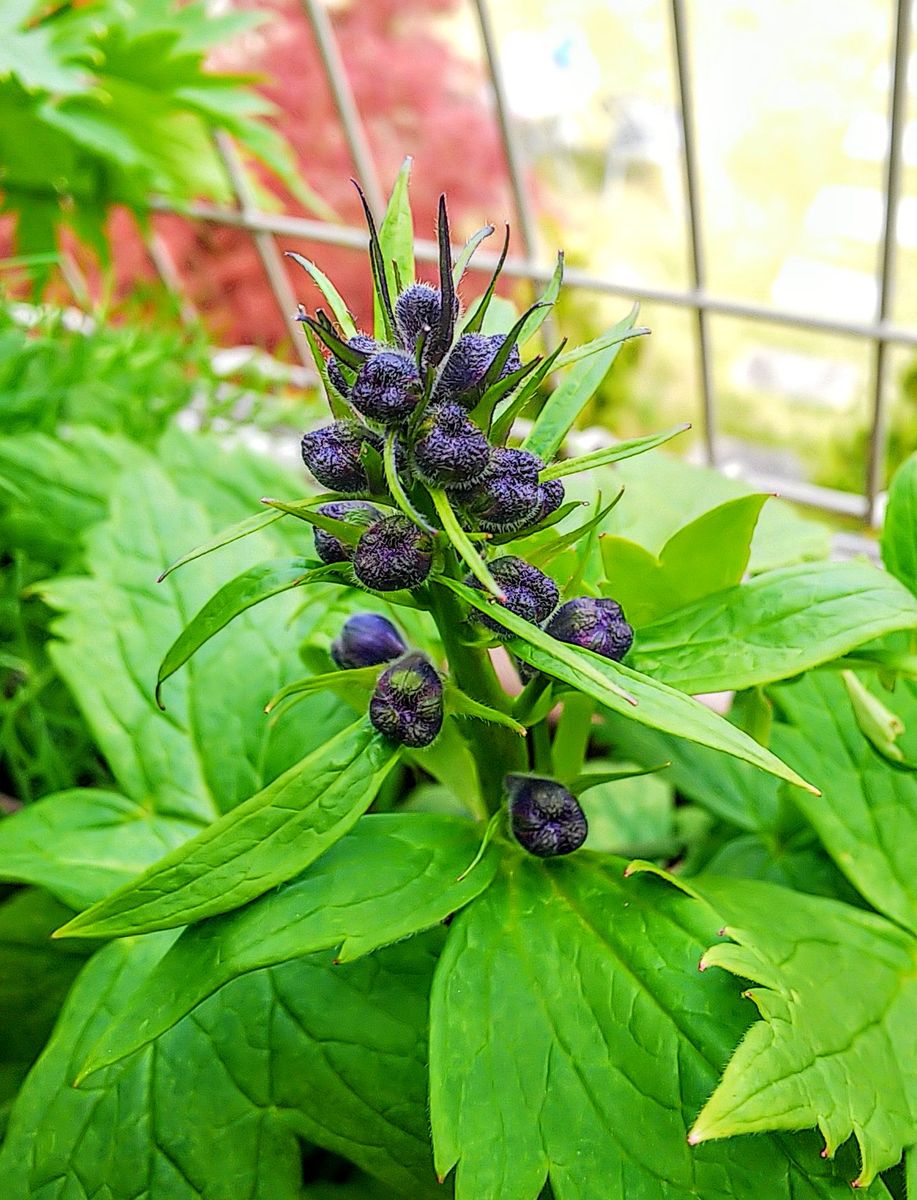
541, 747
571, 738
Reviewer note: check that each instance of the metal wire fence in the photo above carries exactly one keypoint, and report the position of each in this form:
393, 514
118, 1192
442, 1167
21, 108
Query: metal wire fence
881, 332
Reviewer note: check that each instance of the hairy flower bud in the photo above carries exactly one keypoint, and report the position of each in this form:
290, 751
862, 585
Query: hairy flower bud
394, 553
467, 365
507, 497
359, 341
529, 593
417, 308
387, 388
330, 548
407, 705
597, 625
450, 451
365, 640
552, 497
545, 818
332, 454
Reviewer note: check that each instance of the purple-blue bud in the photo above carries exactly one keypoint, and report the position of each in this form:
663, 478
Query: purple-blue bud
418, 307
528, 592
330, 548
467, 365
332, 454
365, 640
596, 625
393, 554
552, 497
407, 704
387, 388
450, 451
359, 341
545, 818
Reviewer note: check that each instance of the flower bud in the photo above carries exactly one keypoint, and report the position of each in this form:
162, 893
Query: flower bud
393, 553
552, 497
359, 341
418, 307
450, 451
331, 549
365, 640
507, 497
545, 818
387, 388
529, 593
407, 705
467, 365
596, 625
332, 454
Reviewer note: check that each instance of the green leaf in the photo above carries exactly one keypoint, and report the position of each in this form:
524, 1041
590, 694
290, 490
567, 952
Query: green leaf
560, 992
610, 454
626, 691
226, 537
263, 842
240, 594
474, 321
464, 258
537, 318
304, 510
825, 1053
464, 705
463, 544
307, 1052
329, 291
83, 844
899, 536
867, 817
396, 233
547, 551
568, 400
775, 626
707, 555
603, 342
390, 877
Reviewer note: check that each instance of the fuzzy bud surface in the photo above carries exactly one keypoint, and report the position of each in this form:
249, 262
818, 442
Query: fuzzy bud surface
407, 705
545, 818
331, 549
332, 454
387, 388
365, 640
467, 364
393, 553
450, 451
359, 341
529, 593
594, 624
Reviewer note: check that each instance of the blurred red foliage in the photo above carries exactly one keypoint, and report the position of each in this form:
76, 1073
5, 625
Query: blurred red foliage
416, 95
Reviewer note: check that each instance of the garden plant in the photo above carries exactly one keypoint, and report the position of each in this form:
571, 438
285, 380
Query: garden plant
488, 901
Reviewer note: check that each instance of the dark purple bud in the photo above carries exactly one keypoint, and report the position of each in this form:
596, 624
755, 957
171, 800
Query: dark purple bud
387, 388
392, 554
407, 705
507, 497
467, 365
359, 341
552, 497
597, 625
545, 818
331, 549
365, 640
529, 593
449, 451
332, 454
416, 309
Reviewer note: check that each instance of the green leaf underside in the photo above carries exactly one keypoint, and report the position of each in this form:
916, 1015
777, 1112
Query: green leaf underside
261, 843
775, 626
333, 1056
573, 1037
81, 845
610, 454
899, 536
569, 399
240, 594
390, 877
836, 1046
657, 705
867, 817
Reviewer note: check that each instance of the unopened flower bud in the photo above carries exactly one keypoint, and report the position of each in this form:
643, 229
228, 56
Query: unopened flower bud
387, 388
332, 454
392, 554
450, 451
407, 705
359, 341
528, 592
507, 497
330, 548
467, 365
552, 497
365, 640
596, 625
545, 818
416, 309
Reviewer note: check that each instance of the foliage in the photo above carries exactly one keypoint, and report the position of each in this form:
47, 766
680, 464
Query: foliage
327, 942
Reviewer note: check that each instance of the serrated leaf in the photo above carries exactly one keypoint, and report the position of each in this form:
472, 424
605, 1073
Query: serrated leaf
899, 535
560, 992
307, 1052
569, 399
261, 843
390, 877
651, 703
774, 626
81, 845
836, 1044
610, 454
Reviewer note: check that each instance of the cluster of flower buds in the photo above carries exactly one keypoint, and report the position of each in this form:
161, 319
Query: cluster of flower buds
545, 818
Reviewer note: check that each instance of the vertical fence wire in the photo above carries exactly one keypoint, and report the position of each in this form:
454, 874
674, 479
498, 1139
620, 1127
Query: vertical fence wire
696, 245
898, 90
